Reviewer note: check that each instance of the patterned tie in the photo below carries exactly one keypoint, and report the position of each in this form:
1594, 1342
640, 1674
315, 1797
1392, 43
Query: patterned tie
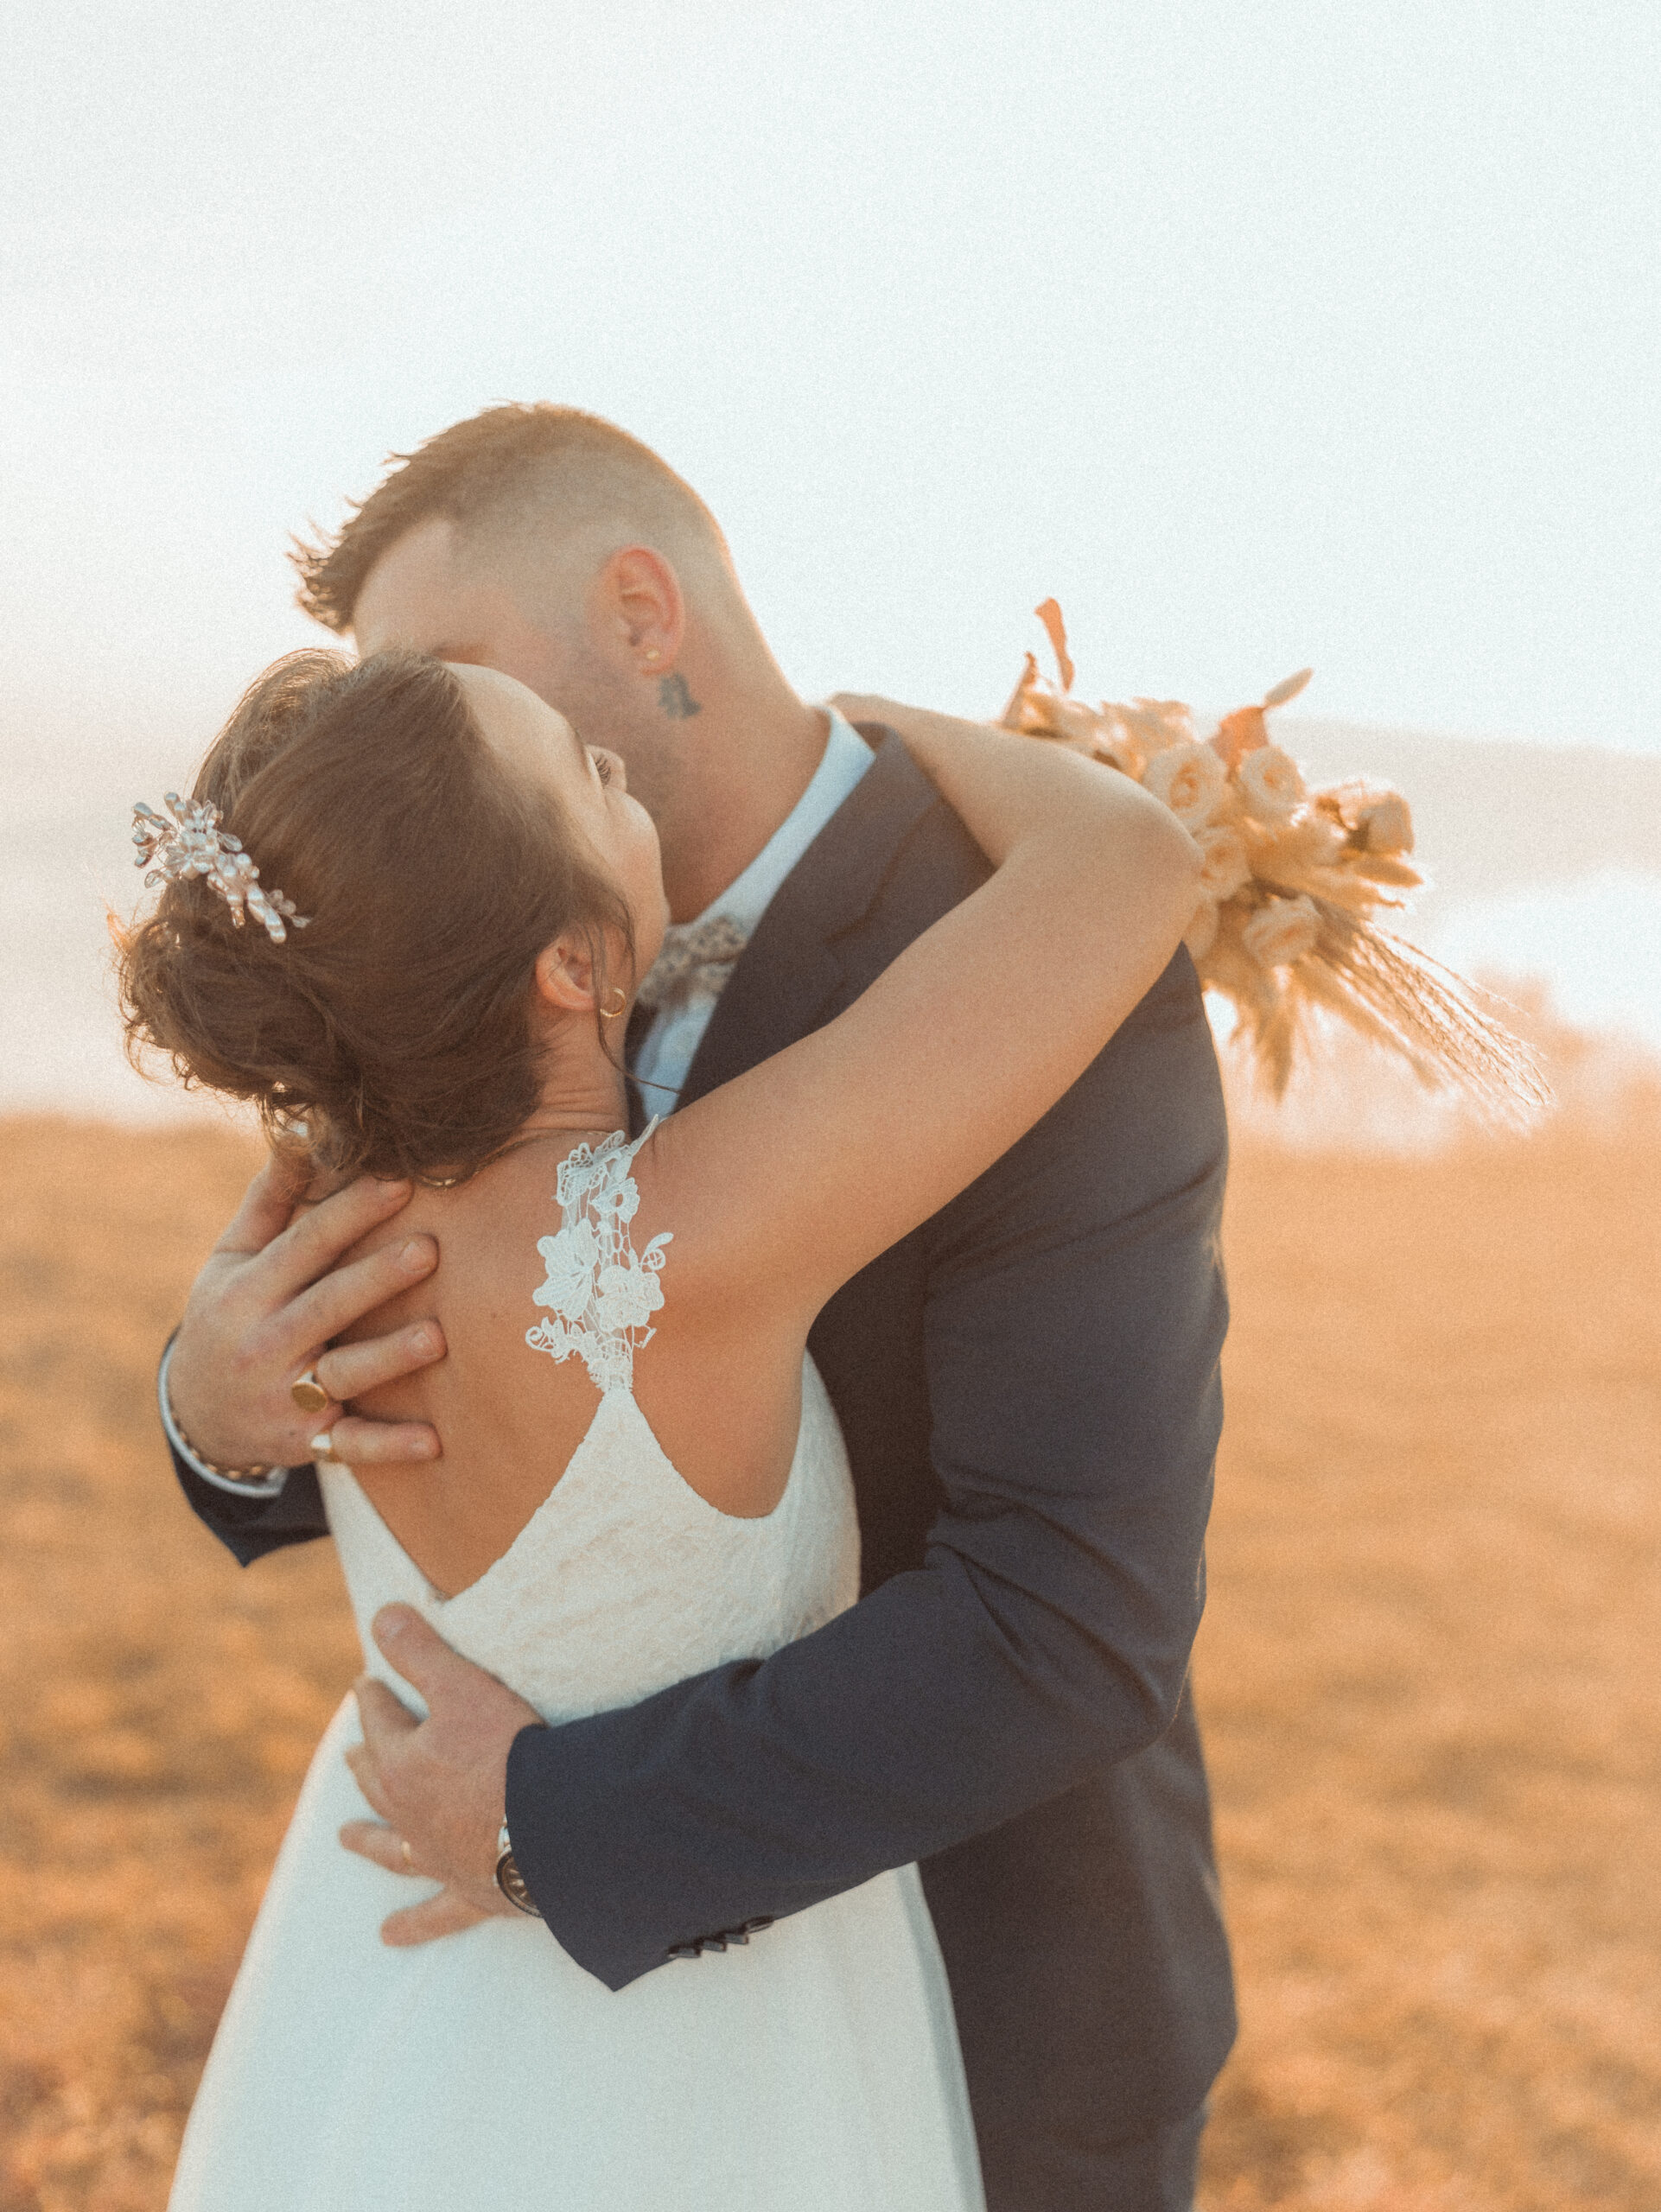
698, 956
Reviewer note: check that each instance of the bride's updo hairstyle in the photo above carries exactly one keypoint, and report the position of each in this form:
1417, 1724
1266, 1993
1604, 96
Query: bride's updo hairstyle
393, 1033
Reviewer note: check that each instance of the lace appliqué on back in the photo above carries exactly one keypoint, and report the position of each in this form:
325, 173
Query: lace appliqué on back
599, 1289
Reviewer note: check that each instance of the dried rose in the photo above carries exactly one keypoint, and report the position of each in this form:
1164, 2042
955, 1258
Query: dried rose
1223, 868
1243, 731
1115, 742
1190, 780
1303, 851
1386, 826
1076, 724
1271, 782
1376, 817
1155, 723
1281, 932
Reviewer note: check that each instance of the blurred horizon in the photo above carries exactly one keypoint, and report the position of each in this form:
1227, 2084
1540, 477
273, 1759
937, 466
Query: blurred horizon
1541, 884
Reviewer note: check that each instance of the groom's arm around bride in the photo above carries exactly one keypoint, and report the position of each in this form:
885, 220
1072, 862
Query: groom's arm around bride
1028, 1387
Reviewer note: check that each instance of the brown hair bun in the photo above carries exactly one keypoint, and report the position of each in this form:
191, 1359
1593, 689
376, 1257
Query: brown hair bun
393, 1034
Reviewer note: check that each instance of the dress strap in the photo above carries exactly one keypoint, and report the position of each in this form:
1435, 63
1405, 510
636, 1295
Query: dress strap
599, 1289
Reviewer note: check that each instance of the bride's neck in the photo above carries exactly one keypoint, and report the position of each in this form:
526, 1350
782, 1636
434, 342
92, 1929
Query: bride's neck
582, 1088
583, 1094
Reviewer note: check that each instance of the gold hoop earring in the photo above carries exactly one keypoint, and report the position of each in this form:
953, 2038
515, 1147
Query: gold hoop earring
611, 1013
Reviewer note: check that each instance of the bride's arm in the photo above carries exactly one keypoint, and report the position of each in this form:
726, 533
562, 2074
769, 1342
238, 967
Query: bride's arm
783, 1183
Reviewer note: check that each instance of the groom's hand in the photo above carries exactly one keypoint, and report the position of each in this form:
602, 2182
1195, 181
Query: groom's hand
265, 1308
439, 1784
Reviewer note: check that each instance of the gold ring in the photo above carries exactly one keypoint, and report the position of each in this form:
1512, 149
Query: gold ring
409, 1855
308, 1392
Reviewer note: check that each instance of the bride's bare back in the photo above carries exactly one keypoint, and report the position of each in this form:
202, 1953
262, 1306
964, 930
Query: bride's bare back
510, 1417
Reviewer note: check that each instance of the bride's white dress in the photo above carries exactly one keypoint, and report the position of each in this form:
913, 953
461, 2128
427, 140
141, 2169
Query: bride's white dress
815, 2068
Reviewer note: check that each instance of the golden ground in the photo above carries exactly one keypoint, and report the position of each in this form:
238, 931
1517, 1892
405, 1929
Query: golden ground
1429, 1678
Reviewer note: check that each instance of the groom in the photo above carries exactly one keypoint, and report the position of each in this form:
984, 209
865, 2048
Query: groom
1028, 1385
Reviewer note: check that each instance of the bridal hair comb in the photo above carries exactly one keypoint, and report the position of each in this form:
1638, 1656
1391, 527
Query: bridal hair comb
192, 843
1292, 882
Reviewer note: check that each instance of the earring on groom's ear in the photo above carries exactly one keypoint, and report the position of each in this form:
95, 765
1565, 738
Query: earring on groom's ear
652, 655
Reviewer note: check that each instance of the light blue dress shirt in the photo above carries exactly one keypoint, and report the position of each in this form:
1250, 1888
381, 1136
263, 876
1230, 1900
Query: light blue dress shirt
666, 1052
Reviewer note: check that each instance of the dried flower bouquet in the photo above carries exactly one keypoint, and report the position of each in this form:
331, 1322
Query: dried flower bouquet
1294, 881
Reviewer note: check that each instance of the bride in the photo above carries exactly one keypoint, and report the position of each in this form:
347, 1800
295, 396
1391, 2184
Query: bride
405, 914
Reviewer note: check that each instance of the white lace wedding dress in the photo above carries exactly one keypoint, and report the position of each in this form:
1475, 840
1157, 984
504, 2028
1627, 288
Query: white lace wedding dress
813, 2069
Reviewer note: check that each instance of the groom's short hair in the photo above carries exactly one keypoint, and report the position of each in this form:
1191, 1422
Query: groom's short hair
514, 470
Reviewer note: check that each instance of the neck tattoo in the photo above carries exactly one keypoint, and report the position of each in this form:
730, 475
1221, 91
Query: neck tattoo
676, 699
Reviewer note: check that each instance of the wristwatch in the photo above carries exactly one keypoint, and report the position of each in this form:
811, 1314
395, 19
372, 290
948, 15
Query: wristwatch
509, 1881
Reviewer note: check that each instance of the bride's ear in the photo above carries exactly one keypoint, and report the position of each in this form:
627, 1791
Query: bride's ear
565, 979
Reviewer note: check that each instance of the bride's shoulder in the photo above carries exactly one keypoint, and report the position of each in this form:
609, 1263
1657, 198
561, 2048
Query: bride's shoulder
686, 1172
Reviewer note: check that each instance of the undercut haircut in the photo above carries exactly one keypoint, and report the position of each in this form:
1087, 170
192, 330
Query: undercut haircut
513, 469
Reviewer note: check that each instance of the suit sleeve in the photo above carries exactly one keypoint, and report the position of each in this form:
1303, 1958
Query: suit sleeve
1074, 1320
250, 1527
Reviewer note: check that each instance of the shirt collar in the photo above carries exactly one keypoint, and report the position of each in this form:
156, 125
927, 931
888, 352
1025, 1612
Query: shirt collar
845, 758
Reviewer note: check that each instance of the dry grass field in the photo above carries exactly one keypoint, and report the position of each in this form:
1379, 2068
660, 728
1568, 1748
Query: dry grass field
1429, 1678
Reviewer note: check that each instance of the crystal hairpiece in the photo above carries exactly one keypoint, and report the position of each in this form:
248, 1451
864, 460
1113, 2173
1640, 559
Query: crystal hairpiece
192, 843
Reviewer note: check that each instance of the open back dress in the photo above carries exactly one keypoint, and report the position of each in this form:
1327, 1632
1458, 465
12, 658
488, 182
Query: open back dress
813, 2067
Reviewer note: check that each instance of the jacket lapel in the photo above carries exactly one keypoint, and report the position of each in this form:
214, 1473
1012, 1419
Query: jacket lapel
790, 971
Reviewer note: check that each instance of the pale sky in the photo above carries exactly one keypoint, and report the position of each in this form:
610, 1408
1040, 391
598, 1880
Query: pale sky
1259, 332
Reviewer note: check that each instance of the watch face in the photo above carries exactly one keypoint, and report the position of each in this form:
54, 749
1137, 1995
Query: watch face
511, 1883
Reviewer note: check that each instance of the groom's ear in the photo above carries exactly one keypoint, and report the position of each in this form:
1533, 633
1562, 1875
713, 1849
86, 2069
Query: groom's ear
566, 976
641, 606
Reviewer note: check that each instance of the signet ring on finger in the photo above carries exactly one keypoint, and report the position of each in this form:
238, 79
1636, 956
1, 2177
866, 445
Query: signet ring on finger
309, 1392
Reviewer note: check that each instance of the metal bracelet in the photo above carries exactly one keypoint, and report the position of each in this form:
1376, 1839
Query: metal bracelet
254, 1474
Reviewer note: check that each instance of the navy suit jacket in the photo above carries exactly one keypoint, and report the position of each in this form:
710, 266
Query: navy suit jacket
1028, 1388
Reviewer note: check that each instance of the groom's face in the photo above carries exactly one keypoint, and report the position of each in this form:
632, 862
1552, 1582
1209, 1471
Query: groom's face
424, 595
534, 618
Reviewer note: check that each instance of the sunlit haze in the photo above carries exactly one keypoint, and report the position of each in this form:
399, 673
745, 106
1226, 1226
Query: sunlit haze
1259, 334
